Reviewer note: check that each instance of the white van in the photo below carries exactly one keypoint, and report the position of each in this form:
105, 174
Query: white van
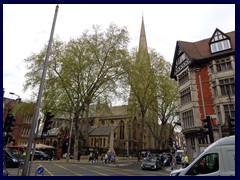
218, 159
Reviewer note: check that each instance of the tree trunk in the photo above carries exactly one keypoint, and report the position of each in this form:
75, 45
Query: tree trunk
142, 129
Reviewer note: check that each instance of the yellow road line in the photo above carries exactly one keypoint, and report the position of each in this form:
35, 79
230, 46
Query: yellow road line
69, 170
46, 170
92, 170
112, 170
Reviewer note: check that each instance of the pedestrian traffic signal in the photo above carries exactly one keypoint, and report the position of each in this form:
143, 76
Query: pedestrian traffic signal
231, 125
47, 124
207, 125
9, 123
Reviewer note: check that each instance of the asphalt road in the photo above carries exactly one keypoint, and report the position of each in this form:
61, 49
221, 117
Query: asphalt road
84, 168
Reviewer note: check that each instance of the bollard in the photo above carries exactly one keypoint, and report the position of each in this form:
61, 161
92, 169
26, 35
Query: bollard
21, 164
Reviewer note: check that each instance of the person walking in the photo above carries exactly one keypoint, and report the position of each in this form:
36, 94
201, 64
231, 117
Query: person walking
51, 155
96, 156
90, 157
139, 157
102, 156
106, 158
186, 162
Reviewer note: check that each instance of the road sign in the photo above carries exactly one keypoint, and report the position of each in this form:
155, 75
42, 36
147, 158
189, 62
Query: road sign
40, 170
213, 116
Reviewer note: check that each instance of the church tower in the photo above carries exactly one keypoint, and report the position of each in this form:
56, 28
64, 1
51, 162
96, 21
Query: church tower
140, 133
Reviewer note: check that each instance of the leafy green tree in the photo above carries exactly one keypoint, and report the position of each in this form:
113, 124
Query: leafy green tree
141, 79
79, 72
152, 93
167, 98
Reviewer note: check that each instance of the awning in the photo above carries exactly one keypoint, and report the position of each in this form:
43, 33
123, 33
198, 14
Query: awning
44, 146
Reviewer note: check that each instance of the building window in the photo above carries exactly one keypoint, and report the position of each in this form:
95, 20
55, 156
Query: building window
229, 110
215, 92
219, 42
183, 78
227, 86
185, 96
92, 142
95, 142
211, 68
188, 120
25, 132
220, 46
223, 64
219, 115
28, 119
192, 141
121, 130
181, 58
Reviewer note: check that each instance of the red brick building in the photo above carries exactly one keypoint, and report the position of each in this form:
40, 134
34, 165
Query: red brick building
205, 71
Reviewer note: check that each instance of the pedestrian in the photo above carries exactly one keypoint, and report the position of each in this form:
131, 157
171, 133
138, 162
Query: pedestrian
93, 157
109, 157
139, 157
96, 156
186, 162
106, 158
51, 155
90, 157
79, 155
102, 156
112, 159
162, 160
173, 163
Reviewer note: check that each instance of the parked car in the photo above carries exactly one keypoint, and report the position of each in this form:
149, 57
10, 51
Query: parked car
154, 155
5, 171
11, 158
40, 155
152, 163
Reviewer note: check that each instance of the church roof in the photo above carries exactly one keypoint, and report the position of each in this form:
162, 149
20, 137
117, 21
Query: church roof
115, 111
99, 131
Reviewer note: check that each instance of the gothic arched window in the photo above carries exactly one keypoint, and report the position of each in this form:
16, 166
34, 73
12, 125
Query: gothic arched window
121, 130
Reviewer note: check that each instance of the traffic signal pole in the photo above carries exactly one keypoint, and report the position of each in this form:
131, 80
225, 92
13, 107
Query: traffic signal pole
34, 148
201, 90
36, 111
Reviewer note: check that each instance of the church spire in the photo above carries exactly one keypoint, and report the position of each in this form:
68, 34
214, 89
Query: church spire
143, 39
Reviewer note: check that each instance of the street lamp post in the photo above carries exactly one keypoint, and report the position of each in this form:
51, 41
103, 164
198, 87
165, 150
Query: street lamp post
18, 99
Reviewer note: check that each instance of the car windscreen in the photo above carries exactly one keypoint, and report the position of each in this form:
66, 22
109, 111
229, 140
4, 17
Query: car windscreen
150, 159
13, 152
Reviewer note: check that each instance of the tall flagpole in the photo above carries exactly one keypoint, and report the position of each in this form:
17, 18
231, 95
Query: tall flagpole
38, 104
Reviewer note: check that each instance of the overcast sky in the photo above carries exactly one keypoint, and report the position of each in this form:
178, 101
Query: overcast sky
26, 29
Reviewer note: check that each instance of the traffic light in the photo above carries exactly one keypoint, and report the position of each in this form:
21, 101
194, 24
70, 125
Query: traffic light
231, 125
8, 128
47, 124
208, 126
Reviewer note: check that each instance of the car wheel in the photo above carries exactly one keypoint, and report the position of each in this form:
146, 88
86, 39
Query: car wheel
41, 158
